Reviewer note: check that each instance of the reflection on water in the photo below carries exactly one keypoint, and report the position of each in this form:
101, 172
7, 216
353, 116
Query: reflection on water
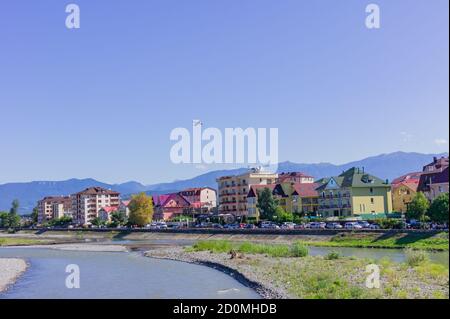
118, 275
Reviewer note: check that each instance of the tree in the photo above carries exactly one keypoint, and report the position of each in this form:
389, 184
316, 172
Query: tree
97, 221
283, 216
34, 215
13, 219
438, 211
141, 210
3, 219
118, 218
418, 207
267, 205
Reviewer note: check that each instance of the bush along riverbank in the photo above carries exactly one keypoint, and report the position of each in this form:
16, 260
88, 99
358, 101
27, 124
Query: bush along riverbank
287, 271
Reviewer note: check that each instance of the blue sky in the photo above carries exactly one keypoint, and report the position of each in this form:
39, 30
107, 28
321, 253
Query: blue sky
102, 100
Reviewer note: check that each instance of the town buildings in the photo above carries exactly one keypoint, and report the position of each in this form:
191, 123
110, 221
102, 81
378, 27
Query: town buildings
233, 190
404, 189
87, 203
435, 178
191, 201
354, 192
52, 207
298, 198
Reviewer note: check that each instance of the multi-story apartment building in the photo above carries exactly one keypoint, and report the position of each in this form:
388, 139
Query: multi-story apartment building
404, 188
52, 207
296, 198
201, 199
87, 204
354, 192
295, 177
233, 190
435, 178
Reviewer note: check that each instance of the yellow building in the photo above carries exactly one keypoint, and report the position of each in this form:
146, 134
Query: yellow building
297, 198
402, 194
233, 190
354, 192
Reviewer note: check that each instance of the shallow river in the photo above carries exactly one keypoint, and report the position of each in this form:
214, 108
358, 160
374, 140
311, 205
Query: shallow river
118, 275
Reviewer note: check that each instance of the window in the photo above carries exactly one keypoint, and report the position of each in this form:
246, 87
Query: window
372, 200
371, 190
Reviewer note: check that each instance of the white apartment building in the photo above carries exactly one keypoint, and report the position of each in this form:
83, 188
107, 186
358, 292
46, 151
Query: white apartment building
87, 204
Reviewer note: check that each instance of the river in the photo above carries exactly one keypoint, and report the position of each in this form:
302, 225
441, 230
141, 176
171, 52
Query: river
118, 275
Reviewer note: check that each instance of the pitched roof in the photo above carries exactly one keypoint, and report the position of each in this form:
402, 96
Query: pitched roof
355, 177
110, 209
414, 176
256, 188
97, 191
306, 189
163, 200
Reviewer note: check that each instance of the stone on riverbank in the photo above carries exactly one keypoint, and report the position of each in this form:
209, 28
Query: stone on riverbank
10, 270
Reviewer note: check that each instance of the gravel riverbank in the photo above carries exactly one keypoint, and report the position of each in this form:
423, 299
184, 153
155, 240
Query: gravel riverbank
236, 268
10, 270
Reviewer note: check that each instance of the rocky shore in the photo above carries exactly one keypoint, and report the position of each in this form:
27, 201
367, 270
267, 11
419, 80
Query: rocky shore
10, 270
237, 268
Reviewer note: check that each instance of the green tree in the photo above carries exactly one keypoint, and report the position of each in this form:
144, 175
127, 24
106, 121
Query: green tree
3, 219
62, 221
13, 219
267, 205
438, 211
283, 216
141, 210
97, 222
418, 207
118, 218
34, 215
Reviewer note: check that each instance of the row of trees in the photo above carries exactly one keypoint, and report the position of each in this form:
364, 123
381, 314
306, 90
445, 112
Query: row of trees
10, 219
421, 209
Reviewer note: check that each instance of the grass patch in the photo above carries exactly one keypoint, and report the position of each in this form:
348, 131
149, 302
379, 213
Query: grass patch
21, 241
420, 241
273, 250
415, 257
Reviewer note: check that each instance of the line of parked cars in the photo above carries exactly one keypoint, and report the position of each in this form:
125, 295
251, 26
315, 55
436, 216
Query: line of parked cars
290, 225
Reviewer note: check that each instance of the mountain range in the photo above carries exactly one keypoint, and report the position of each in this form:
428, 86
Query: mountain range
385, 166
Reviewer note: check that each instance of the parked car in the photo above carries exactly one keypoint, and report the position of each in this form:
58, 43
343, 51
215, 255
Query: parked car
300, 226
288, 225
364, 224
334, 226
250, 226
269, 225
374, 226
317, 225
352, 225
217, 226
231, 226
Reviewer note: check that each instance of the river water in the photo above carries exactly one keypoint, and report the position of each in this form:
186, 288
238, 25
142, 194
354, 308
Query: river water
118, 275
131, 275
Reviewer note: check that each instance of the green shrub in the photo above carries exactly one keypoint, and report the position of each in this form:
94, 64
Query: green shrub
332, 255
299, 250
415, 258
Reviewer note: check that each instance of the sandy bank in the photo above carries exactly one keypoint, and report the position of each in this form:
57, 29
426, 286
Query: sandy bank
10, 270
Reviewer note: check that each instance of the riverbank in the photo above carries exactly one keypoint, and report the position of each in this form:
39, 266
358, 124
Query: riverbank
11, 270
431, 241
318, 277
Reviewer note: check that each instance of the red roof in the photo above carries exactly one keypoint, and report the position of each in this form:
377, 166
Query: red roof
306, 189
410, 177
110, 209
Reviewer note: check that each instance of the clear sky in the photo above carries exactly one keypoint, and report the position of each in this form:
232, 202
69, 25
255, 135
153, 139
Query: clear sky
102, 100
